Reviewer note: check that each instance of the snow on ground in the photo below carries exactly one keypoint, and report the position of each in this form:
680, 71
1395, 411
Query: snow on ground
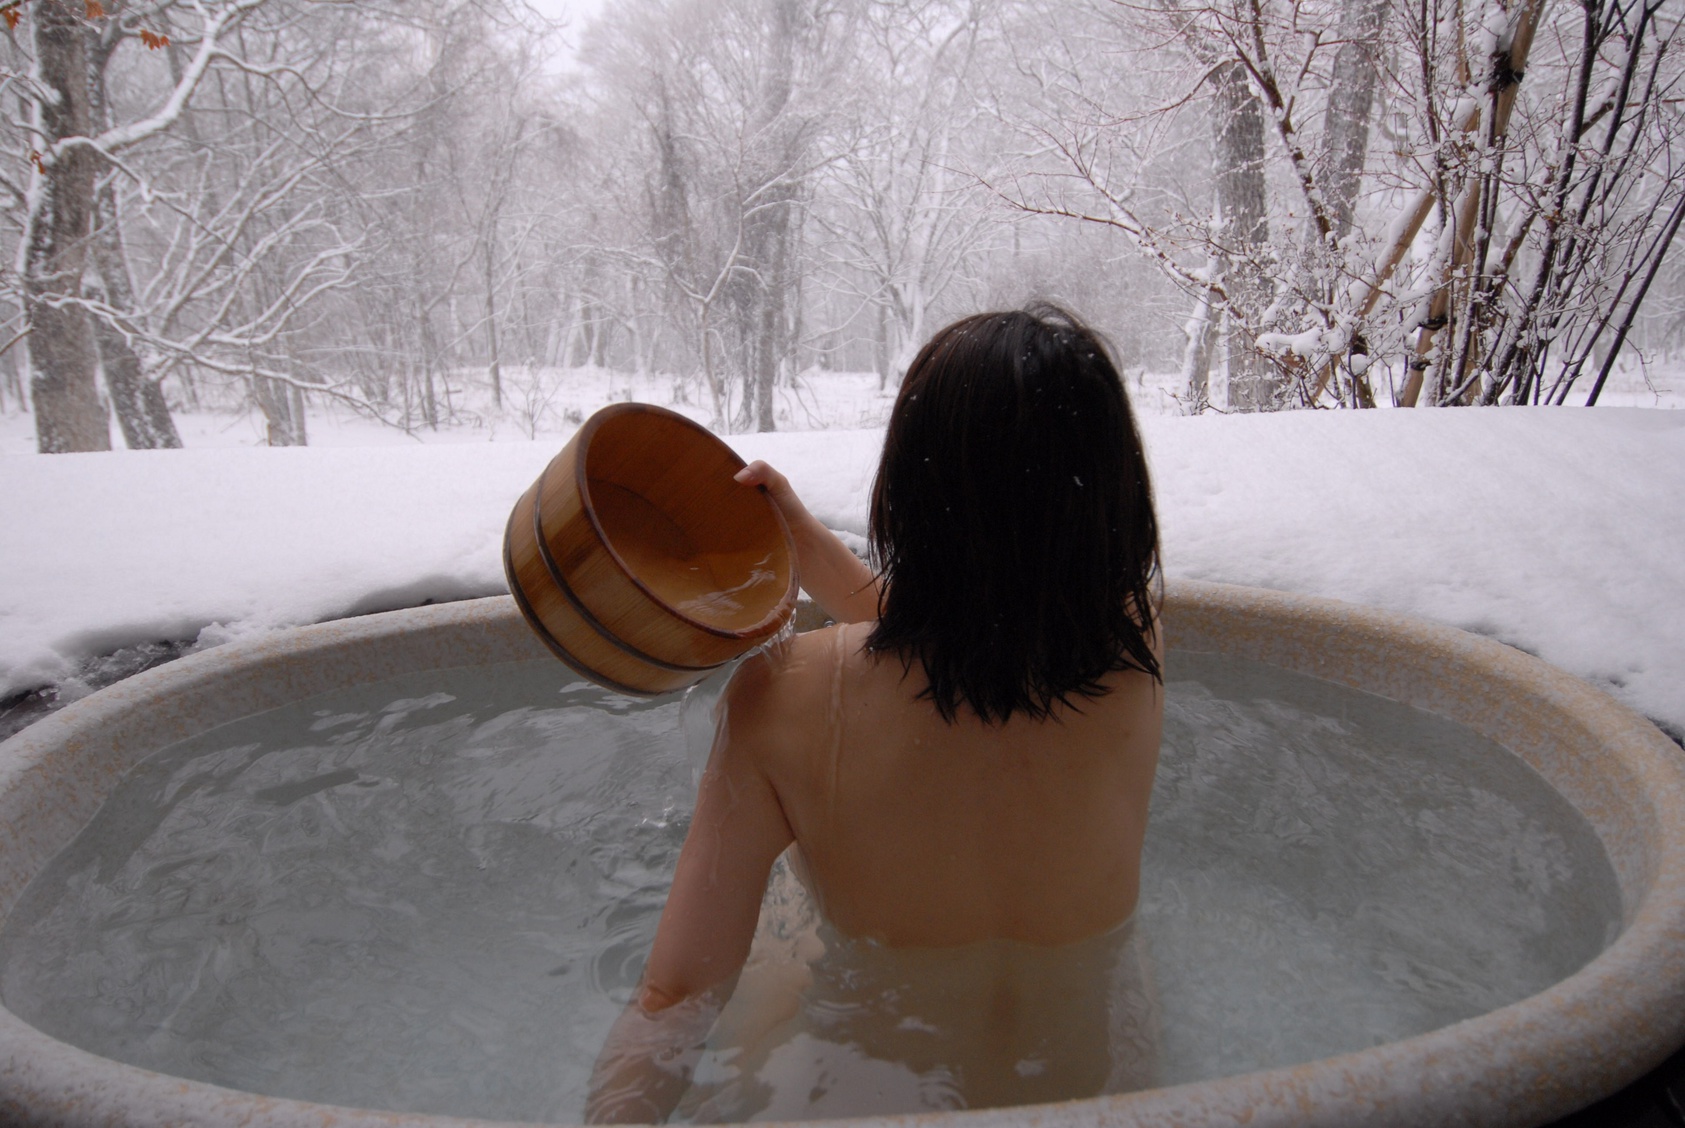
1556, 530
537, 404
549, 403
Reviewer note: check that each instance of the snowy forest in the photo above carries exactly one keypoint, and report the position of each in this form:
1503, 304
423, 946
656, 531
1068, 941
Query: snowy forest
428, 212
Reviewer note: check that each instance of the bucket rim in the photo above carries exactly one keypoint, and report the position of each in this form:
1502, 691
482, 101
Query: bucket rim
774, 619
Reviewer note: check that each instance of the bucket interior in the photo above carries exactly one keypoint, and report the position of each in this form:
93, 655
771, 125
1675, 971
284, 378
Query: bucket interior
668, 507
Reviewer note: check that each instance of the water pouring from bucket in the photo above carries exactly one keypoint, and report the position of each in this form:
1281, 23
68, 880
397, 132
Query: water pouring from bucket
640, 561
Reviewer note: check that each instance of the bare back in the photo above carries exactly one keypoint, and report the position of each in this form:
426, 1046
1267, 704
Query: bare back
920, 832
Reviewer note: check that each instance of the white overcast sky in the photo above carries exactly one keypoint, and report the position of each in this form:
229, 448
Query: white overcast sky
577, 13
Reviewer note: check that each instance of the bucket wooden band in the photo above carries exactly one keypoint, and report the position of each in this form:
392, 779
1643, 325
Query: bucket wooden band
567, 592
543, 632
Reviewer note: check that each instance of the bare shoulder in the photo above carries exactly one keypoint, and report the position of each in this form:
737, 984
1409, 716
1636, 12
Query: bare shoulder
781, 689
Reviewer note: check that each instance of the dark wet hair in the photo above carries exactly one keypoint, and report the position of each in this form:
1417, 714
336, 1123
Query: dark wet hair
1012, 518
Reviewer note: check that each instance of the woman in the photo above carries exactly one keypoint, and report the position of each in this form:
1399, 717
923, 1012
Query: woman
962, 764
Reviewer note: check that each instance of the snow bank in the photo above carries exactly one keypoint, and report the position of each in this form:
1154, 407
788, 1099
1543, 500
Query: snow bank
1558, 531
106, 550
1555, 530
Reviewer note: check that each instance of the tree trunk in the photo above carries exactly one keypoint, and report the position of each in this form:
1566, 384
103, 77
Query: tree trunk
1202, 333
1466, 255
63, 364
430, 359
880, 346
283, 411
10, 383
495, 370
138, 401
604, 337
769, 235
295, 395
578, 352
760, 301
770, 349
1242, 231
1351, 98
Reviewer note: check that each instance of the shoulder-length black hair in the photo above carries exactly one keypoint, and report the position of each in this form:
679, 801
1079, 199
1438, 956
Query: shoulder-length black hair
1012, 519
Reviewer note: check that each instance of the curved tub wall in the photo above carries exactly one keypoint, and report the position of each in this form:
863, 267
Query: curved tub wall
1520, 1065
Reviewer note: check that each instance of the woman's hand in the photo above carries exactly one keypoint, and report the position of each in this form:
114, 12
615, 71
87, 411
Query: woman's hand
778, 488
838, 580
646, 1062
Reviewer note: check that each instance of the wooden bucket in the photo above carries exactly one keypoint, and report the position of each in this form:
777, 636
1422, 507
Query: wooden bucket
640, 562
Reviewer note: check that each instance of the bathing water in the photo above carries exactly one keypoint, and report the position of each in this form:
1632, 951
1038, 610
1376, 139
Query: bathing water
1326, 870
434, 894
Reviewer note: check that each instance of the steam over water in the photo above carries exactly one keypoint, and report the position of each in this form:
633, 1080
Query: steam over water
434, 894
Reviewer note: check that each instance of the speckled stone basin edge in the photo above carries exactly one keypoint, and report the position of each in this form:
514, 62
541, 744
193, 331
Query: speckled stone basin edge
1520, 1065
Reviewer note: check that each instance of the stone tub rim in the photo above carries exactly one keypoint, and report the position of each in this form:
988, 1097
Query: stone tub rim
1522, 1064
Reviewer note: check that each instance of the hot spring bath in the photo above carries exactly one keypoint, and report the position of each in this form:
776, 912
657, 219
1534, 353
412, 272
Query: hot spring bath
1489, 1043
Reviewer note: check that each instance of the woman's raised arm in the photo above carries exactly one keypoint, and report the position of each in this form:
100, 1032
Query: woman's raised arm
837, 579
